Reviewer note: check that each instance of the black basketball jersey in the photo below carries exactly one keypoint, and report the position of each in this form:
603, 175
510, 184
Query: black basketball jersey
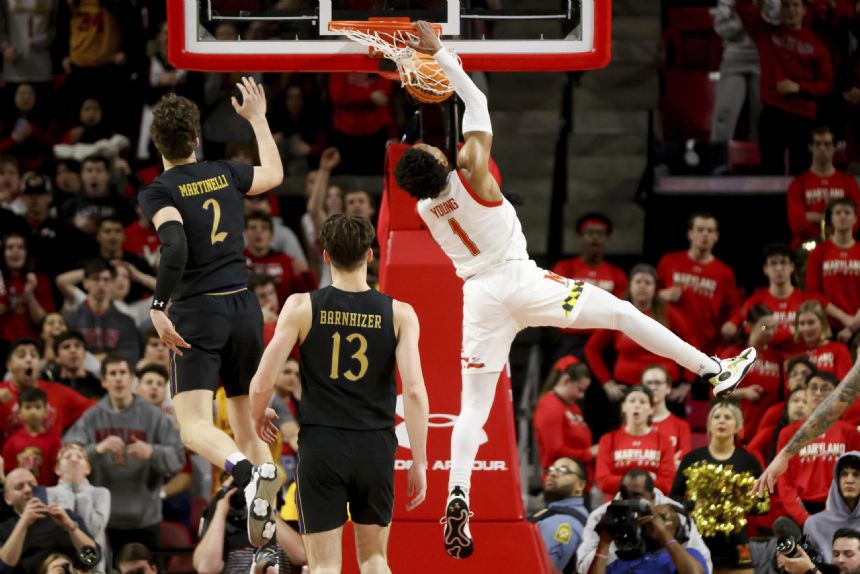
208, 195
348, 361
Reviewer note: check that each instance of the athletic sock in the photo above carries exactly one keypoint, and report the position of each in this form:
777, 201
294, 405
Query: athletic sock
240, 469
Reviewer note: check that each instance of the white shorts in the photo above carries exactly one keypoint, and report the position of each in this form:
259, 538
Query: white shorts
501, 301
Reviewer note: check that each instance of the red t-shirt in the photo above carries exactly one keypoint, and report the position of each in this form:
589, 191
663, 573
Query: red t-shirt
829, 356
65, 406
352, 111
143, 242
619, 452
678, 431
796, 55
606, 276
631, 359
783, 309
280, 267
810, 471
809, 192
709, 294
37, 453
16, 321
834, 272
561, 431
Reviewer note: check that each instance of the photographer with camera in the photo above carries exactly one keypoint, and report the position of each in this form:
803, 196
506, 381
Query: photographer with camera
38, 529
636, 486
792, 558
224, 544
652, 542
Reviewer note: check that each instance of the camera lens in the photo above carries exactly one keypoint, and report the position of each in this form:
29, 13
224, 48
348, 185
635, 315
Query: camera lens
787, 546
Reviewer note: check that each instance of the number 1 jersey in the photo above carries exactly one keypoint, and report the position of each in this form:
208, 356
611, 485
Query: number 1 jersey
348, 361
474, 233
208, 195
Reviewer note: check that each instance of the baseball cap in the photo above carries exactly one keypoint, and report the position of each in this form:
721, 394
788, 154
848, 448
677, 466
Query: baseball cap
33, 183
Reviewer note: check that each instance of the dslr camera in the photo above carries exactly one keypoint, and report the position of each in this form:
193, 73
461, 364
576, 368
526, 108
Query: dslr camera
621, 521
788, 545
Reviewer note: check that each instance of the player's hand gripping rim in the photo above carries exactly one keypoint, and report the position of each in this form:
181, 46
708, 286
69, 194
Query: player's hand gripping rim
166, 332
265, 426
428, 41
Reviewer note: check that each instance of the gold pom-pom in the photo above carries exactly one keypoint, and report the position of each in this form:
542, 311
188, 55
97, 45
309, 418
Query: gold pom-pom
723, 498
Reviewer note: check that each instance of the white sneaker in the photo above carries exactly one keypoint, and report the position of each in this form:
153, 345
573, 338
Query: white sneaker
732, 371
260, 498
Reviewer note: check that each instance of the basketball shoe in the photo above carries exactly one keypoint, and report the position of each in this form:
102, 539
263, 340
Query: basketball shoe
260, 497
456, 534
266, 559
731, 372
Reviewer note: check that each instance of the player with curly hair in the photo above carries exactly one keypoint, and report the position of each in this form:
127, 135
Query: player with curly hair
196, 207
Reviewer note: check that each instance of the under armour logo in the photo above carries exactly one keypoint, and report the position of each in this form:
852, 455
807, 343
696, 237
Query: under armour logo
157, 303
435, 420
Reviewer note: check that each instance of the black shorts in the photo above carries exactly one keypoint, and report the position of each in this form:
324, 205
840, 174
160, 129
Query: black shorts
340, 466
730, 552
225, 331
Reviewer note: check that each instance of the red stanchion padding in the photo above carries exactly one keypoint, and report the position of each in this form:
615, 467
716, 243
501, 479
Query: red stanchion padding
416, 548
421, 275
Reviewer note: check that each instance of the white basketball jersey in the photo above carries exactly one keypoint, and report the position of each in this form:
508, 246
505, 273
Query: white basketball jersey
475, 234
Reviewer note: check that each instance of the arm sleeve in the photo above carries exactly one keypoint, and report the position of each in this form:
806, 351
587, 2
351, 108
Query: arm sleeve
476, 118
604, 475
594, 354
174, 255
242, 175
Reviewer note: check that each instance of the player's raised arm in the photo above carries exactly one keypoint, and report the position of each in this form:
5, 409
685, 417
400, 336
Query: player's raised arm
270, 173
174, 254
474, 157
293, 324
821, 419
415, 403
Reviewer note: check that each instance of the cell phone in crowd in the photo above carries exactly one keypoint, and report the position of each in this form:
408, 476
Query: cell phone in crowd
41, 493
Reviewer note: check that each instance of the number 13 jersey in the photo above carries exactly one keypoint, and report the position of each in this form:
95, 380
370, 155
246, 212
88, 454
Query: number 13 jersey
208, 195
348, 361
474, 233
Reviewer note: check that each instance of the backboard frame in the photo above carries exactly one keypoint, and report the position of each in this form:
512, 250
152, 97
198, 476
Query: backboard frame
186, 51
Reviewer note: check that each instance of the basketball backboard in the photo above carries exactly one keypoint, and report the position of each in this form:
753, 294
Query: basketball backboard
293, 35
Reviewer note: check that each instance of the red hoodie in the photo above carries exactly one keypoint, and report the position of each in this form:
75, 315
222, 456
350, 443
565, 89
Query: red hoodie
795, 55
810, 471
829, 356
561, 431
65, 406
809, 192
784, 310
619, 452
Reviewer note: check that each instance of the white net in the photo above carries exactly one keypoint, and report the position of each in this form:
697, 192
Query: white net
417, 70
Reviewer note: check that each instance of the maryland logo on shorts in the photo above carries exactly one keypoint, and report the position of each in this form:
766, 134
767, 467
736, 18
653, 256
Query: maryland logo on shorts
572, 297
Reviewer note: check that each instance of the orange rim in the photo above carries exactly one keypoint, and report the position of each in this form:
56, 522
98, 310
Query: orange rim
368, 26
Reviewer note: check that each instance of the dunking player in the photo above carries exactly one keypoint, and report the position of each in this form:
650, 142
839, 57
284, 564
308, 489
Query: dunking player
351, 336
196, 207
504, 290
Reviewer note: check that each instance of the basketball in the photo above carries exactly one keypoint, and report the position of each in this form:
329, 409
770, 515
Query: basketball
431, 74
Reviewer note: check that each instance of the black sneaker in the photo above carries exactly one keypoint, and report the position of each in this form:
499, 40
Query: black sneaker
456, 534
266, 559
260, 498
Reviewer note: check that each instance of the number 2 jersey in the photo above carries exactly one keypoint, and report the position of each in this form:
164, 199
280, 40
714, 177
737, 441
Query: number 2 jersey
474, 233
348, 361
209, 197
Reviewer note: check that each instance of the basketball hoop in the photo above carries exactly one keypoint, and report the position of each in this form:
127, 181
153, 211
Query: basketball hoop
419, 73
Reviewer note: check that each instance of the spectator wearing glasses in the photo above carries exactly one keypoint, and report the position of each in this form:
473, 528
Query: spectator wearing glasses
811, 191
805, 486
565, 515
656, 378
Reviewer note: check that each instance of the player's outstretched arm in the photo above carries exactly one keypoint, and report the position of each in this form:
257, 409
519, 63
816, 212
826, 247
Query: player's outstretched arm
270, 173
474, 157
293, 324
821, 419
415, 402
167, 221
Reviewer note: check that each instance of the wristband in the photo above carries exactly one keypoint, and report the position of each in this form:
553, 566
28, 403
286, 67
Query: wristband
670, 541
